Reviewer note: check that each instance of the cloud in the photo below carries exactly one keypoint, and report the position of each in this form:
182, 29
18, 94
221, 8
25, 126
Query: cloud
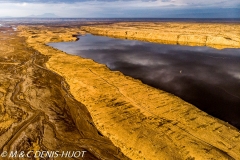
58, 1
117, 8
195, 3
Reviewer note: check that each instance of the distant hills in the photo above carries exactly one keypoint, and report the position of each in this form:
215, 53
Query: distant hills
6, 17
45, 15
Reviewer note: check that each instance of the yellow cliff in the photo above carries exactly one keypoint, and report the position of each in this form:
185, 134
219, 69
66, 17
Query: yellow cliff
194, 34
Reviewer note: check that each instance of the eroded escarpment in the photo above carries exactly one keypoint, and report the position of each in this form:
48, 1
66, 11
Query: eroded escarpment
37, 111
146, 123
194, 34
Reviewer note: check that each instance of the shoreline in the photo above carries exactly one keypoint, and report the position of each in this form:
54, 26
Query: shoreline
163, 124
205, 97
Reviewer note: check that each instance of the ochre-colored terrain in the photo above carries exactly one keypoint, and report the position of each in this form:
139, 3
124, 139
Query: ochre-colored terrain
144, 122
194, 34
37, 111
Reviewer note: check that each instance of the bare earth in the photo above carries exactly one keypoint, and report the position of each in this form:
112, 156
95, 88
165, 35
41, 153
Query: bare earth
50, 100
144, 122
37, 111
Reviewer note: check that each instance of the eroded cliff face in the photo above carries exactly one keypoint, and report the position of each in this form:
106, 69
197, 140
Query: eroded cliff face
193, 34
146, 123
37, 111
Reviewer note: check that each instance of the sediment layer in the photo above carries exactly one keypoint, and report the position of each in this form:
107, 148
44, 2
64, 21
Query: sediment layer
146, 123
194, 34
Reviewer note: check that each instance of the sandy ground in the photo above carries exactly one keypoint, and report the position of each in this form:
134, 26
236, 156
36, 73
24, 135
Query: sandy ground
37, 111
144, 122
194, 34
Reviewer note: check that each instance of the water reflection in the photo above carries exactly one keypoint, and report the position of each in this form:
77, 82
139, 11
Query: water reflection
205, 77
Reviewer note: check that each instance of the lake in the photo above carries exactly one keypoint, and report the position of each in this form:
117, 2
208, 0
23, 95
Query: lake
205, 77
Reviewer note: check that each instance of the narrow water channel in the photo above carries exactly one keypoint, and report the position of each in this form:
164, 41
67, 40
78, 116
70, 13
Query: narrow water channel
205, 77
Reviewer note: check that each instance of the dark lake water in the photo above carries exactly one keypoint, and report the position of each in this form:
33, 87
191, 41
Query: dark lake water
205, 77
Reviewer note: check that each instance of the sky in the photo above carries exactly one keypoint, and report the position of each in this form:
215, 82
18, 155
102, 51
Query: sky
123, 8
